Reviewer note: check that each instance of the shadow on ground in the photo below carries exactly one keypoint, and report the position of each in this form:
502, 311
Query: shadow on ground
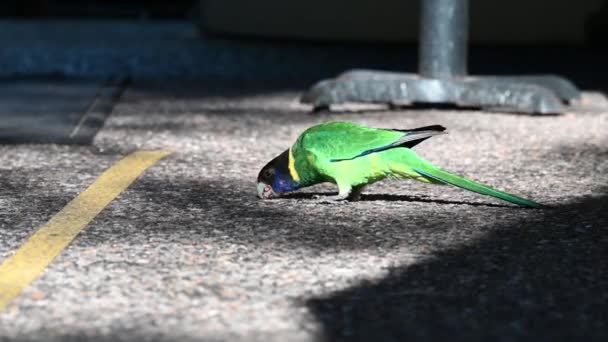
488, 272
394, 198
188, 207
528, 275
523, 281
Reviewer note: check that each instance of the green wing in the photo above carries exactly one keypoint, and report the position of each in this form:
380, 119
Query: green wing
340, 141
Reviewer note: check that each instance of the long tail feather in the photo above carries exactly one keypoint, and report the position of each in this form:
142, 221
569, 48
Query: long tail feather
467, 184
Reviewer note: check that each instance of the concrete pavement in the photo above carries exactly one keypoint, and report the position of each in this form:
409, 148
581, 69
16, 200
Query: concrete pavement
188, 253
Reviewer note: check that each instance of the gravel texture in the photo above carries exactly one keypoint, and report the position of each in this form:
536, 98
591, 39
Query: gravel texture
188, 253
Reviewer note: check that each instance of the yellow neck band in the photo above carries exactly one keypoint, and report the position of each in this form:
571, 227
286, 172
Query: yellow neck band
292, 167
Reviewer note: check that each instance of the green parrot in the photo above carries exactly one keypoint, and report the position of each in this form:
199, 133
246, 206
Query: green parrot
353, 156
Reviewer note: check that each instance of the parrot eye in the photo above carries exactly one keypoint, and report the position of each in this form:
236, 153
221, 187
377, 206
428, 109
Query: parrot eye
268, 173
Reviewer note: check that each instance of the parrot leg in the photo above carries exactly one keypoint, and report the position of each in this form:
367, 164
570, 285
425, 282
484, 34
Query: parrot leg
355, 193
345, 192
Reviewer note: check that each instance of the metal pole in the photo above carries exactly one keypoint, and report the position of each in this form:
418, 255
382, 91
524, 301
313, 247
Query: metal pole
443, 38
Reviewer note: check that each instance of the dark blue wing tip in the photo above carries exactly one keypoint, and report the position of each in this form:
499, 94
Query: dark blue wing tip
362, 154
426, 174
343, 159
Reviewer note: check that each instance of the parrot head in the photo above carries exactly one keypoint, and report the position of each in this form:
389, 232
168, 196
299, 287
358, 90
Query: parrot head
275, 179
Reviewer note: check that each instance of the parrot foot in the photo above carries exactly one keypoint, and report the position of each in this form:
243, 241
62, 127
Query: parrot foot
346, 194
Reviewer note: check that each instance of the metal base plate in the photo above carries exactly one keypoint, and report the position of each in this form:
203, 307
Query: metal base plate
539, 94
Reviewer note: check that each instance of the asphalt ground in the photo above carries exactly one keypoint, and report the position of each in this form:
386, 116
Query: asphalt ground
188, 253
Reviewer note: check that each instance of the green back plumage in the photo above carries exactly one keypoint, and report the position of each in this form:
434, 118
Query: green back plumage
318, 145
345, 139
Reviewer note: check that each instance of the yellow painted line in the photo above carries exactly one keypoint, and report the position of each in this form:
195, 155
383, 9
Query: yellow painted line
30, 260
